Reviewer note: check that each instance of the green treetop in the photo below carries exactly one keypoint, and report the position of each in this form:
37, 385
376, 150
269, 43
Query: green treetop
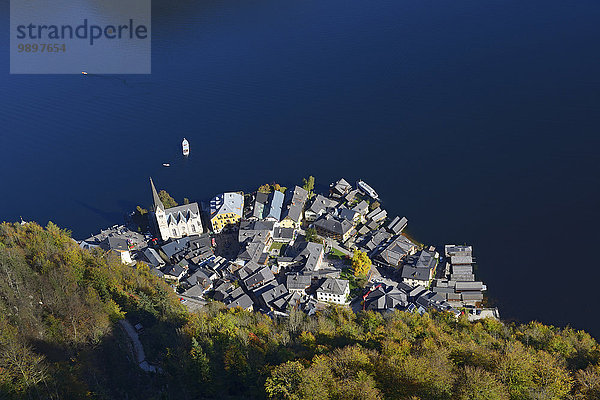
309, 184
166, 199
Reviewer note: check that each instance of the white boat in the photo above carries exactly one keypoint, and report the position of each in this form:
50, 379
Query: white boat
166, 165
83, 73
367, 189
185, 145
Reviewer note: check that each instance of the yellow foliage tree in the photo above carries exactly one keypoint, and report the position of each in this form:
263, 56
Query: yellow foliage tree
361, 264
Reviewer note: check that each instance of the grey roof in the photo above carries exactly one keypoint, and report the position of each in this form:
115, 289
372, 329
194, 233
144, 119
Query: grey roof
312, 254
175, 270
229, 202
248, 269
263, 276
244, 301
361, 208
372, 225
397, 249
393, 222
252, 252
469, 286
397, 225
403, 286
454, 260
421, 274
333, 225
373, 213
200, 277
426, 259
379, 216
347, 214
283, 233
285, 260
260, 204
194, 291
253, 230
417, 291
282, 301
222, 290
294, 204
351, 195
321, 204
334, 286
471, 296
384, 297
462, 269
438, 289
153, 258
364, 230
182, 212
297, 282
453, 296
118, 236
462, 277
275, 205
117, 243
175, 246
341, 187
273, 292
375, 239
458, 250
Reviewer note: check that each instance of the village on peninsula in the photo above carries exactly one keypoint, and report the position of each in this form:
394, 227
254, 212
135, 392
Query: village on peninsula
279, 249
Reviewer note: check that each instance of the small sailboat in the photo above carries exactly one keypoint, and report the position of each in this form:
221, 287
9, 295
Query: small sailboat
166, 165
185, 145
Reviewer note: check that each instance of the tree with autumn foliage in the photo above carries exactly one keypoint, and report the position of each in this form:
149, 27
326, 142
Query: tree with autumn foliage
361, 263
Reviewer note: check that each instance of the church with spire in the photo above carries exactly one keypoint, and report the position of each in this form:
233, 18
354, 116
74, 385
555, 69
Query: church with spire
175, 222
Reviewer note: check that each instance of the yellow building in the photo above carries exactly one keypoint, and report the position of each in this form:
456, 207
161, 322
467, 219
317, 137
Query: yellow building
226, 210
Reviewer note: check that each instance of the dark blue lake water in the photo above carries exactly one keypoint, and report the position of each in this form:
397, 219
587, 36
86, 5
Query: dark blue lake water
478, 120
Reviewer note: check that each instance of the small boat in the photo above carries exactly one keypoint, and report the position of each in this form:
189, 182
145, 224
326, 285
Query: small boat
83, 73
166, 165
362, 186
185, 145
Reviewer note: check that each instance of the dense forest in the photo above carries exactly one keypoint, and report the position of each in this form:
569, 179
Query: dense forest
60, 339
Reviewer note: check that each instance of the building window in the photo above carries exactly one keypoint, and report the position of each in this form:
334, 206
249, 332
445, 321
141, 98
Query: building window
174, 232
193, 228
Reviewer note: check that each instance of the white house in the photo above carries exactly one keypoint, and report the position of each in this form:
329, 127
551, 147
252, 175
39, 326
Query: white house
334, 291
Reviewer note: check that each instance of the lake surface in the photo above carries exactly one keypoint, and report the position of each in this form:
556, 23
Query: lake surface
478, 120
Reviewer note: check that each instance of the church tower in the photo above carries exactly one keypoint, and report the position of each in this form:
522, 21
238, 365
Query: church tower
159, 214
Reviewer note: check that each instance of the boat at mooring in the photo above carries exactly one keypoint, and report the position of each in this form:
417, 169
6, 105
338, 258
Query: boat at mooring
185, 145
363, 187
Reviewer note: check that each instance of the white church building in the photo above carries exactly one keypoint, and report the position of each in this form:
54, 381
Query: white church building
175, 222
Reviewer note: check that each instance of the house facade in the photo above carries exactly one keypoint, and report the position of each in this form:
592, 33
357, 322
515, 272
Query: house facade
334, 291
292, 214
339, 229
226, 210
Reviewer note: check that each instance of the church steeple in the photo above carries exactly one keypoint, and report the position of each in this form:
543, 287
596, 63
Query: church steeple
158, 205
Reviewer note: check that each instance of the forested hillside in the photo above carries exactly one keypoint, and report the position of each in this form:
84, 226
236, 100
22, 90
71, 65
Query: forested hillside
59, 339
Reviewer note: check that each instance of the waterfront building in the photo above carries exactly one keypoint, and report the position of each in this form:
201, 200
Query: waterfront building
291, 216
175, 222
226, 210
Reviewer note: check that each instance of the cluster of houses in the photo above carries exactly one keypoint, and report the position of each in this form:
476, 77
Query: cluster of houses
458, 284
402, 296
252, 251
